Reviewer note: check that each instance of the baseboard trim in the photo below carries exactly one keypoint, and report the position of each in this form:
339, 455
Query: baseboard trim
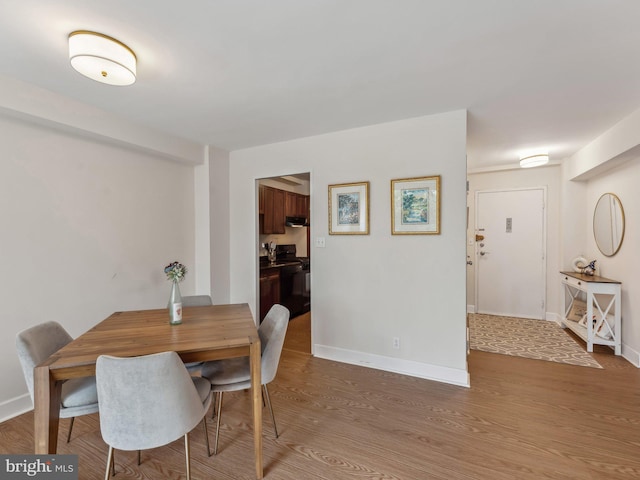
471, 309
631, 355
437, 373
15, 406
553, 317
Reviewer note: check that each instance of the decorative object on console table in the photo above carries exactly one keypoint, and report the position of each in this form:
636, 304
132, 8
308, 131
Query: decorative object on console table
590, 269
579, 263
175, 272
415, 206
349, 209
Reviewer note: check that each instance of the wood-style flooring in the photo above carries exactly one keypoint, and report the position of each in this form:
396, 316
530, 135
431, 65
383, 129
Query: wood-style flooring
298, 336
521, 419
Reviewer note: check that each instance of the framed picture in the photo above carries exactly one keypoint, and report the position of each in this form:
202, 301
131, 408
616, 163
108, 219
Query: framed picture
349, 209
415, 206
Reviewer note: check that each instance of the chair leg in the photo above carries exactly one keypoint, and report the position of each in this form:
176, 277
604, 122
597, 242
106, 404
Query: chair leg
70, 428
268, 400
215, 445
109, 463
187, 455
215, 401
206, 435
139, 458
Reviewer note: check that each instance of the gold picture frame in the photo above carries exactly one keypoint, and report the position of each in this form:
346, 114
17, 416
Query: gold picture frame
415, 206
349, 209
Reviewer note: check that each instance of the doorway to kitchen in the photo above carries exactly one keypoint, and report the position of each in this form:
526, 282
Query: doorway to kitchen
284, 254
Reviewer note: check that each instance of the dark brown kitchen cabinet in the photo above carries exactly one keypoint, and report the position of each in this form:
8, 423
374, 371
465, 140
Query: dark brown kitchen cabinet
273, 201
269, 290
291, 204
261, 190
303, 206
296, 205
278, 211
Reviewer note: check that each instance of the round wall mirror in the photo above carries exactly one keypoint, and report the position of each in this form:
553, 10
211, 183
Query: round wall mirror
608, 224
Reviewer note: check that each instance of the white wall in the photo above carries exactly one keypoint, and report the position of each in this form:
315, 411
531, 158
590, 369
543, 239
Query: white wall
368, 289
87, 229
202, 223
549, 177
219, 225
625, 265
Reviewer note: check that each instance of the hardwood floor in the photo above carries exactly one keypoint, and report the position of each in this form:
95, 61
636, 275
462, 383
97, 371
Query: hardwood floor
521, 419
299, 334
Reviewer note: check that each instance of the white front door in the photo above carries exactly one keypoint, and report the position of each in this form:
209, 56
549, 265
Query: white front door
510, 259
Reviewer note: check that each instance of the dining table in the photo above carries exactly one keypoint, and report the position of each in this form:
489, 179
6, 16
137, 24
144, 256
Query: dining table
206, 333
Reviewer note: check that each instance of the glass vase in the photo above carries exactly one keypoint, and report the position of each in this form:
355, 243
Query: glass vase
175, 304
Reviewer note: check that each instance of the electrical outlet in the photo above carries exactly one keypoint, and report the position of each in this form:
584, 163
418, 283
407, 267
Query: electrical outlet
396, 342
320, 242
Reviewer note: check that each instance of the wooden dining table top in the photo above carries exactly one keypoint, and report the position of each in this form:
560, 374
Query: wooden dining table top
203, 331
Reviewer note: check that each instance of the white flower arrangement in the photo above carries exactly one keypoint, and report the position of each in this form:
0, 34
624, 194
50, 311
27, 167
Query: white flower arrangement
175, 271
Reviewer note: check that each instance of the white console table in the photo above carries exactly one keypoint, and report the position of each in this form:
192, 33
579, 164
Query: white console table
599, 308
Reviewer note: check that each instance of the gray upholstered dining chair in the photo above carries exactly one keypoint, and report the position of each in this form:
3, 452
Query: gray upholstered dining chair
195, 301
149, 401
235, 374
35, 345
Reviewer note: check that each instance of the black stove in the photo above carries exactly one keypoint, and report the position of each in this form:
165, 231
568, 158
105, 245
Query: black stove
295, 280
286, 254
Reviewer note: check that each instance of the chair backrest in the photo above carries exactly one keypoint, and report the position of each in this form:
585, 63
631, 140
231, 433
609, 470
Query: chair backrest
272, 332
196, 300
146, 401
38, 343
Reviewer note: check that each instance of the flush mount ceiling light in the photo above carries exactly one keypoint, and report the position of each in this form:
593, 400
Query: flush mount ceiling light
536, 160
102, 58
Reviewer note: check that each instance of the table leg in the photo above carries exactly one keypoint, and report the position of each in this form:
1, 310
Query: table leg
590, 332
618, 323
256, 393
47, 393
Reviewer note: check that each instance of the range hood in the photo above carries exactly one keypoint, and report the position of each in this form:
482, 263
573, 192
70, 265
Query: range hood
296, 222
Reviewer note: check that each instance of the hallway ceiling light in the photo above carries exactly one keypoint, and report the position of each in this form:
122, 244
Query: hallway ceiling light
102, 58
536, 160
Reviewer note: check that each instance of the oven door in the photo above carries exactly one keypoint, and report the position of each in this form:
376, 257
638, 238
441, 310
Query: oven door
294, 292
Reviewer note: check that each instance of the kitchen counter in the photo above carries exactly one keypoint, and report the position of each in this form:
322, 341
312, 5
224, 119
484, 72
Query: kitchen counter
278, 264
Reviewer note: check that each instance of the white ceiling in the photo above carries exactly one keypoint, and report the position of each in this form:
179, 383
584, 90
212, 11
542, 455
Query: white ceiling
238, 73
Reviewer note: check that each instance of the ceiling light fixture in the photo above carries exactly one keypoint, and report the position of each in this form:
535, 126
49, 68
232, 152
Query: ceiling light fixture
102, 58
536, 160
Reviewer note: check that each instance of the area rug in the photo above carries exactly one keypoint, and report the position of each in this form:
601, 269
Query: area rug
521, 337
